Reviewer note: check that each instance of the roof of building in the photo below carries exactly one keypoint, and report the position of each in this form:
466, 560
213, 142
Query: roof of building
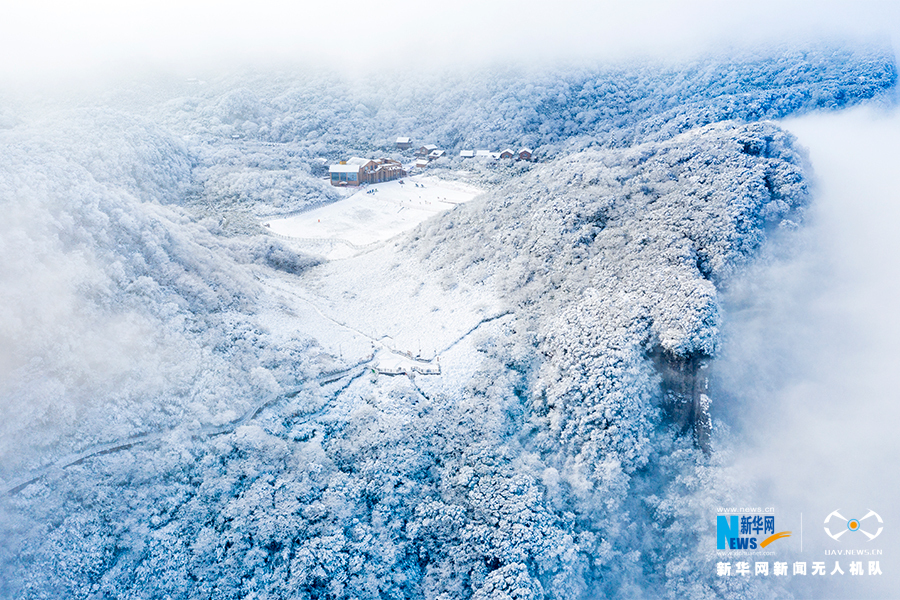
528, 150
403, 140
436, 153
482, 153
348, 168
430, 147
467, 153
421, 162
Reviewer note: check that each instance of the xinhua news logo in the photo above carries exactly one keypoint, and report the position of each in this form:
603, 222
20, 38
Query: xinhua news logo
746, 531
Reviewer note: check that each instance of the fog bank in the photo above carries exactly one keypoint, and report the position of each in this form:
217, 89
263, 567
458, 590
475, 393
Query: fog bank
59, 38
812, 354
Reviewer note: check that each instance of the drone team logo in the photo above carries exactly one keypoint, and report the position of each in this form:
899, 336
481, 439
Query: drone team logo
853, 525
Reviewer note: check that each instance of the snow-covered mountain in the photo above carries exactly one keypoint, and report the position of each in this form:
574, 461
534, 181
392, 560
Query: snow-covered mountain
193, 408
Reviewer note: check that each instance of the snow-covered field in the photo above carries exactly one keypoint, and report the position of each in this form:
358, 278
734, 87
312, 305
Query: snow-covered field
376, 307
381, 310
375, 213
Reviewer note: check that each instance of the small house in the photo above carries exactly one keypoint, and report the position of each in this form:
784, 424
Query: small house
507, 153
421, 163
426, 150
483, 154
467, 154
403, 143
525, 154
435, 154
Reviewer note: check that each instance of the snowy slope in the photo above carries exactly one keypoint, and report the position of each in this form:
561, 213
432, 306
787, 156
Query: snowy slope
373, 214
122, 315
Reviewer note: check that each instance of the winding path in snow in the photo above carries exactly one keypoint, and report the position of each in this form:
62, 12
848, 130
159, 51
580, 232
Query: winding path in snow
208, 430
349, 374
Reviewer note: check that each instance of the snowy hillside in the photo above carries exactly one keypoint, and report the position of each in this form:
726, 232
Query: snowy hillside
121, 315
503, 398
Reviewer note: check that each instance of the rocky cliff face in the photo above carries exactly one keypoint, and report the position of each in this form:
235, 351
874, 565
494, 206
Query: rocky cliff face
685, 393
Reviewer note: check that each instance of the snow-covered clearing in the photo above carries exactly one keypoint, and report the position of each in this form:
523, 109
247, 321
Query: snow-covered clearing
374, 214
376, 307
380, 308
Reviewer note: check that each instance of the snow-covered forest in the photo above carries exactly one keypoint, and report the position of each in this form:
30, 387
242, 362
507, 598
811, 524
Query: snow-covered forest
175, 421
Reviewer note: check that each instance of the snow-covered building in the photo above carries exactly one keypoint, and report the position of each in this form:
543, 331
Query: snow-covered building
356, 171
435, 154
426, 150
525, 154
508, 153
403, 143
421, 163
483, 154
344, 174
467, 154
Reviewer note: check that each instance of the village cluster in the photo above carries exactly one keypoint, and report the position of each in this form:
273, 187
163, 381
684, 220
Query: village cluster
358, 171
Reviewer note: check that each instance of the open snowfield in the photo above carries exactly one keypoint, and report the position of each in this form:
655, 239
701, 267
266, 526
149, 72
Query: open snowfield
375, 307
381, 310
375, 213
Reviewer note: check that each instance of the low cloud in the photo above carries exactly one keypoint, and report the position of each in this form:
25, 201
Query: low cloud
810, 366
54, 37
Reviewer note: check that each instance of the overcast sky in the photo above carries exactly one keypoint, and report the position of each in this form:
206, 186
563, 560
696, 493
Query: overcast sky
41, 36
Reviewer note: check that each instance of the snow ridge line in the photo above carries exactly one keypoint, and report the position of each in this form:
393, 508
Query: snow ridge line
476, 326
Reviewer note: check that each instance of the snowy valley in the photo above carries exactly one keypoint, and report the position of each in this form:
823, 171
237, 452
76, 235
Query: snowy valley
222, 377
